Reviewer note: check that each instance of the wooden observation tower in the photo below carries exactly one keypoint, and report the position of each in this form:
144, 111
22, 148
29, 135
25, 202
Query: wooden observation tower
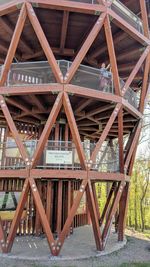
74, 80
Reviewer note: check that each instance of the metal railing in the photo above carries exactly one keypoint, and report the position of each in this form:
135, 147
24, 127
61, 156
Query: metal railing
59, 155
121, 10
127, 15
130, 95
33, 73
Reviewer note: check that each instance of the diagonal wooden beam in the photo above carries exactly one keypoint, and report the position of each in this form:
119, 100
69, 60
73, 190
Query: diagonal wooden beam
13, 129
118, 37
9, 7
135, 70
10, 29
85, 47
44, 43
112, 56
133, 144
106, 207
112, 211
47, 129
96, 199
13, 45
74, 130
145, 83
64, 30
94, 216
42, 215
105, 131
135, 34
18, 214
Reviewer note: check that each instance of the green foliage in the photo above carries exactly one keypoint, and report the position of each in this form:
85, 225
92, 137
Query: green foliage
139, 202
138, 216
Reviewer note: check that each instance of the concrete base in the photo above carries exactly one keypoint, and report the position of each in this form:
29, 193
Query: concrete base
80, 245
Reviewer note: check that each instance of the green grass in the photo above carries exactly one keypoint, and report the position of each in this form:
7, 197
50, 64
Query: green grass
122, 265
135, 265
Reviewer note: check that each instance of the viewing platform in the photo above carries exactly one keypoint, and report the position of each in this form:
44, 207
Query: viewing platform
33, 73
59, 155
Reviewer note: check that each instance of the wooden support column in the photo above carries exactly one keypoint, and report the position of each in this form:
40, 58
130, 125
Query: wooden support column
59, 189
123, 212
59, 207
49, 201
94, 216
2, 237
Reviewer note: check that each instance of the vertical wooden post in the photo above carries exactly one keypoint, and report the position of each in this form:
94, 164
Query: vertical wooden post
49, 201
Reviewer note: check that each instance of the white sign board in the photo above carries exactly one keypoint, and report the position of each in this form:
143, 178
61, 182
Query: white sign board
58, 157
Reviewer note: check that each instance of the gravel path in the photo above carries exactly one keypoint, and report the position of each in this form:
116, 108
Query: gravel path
136, 250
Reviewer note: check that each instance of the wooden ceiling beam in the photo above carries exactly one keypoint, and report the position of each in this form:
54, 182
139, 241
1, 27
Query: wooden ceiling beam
127, 53
64, 30
126, 67
83, 124
21, 105
24, 114
37, 102
4, 45
66, 52
10, 30
118, 37
99, 110
82, 104
72, 6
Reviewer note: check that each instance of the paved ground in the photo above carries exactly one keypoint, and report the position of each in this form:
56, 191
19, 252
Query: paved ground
136, 250
80, 245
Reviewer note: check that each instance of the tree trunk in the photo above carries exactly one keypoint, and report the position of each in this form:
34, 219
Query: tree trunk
142, 216
135, 203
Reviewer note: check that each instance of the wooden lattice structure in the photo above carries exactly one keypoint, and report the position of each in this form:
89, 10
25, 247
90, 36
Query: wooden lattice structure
57, 104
